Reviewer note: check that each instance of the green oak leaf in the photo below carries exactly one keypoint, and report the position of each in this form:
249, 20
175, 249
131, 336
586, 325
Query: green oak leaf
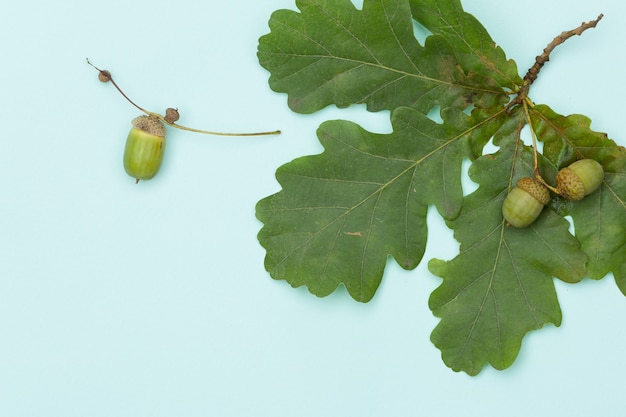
340, 214
470, 42
600, 218
500, 286
333, 53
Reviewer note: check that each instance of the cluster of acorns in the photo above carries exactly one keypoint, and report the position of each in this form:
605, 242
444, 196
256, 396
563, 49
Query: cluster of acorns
526, 200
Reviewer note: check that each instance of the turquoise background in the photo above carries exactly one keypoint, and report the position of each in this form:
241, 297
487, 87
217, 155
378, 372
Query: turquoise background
121, 300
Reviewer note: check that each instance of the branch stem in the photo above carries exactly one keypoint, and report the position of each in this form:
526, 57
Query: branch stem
540, 61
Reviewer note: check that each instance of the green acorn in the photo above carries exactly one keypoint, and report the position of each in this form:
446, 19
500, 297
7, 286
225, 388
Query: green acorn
145, 146
524, 203
579, 179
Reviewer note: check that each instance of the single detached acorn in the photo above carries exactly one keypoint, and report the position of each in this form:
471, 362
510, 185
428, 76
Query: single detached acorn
579, 179
145, 146
524, 203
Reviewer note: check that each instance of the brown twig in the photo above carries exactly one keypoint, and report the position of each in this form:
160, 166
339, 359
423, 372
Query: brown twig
540, 61
531, 76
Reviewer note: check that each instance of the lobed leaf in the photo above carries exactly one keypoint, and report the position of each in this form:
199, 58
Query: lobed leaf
340, 214
600, 218
473, 47
500, 286
333, 53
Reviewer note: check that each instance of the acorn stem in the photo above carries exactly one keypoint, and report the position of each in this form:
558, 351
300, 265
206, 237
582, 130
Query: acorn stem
526, 102
106, 76
207, 132
532, 133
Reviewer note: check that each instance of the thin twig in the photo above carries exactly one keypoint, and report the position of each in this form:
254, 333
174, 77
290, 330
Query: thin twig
540, 61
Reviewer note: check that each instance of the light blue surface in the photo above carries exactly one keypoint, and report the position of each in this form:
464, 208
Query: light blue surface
122, 300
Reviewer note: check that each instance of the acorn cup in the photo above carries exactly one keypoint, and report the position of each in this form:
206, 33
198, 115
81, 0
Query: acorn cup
145, 144
524, 203
579, 179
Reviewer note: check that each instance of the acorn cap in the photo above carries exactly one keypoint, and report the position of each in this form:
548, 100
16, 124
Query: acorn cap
536, 189
149, 124
579, 179
569, 185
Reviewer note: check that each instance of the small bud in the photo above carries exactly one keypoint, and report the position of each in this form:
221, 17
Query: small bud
171, 115
104, 76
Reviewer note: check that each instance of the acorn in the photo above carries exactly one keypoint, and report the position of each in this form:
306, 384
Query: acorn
524, 203
144, 149
579, 179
